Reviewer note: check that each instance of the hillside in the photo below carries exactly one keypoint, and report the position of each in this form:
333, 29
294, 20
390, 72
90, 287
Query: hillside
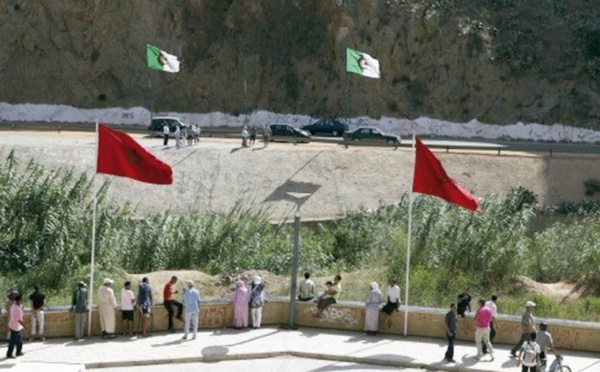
217, 174
500, 61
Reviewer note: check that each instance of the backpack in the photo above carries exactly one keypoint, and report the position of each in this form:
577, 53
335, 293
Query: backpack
530, 356
255, 296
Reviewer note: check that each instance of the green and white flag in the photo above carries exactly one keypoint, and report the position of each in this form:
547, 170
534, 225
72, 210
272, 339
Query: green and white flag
161, 60
362, 64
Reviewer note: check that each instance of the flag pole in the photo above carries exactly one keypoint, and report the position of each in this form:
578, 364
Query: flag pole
408, 247
91, 290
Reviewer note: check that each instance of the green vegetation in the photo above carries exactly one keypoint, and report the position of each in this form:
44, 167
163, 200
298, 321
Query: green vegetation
45, 220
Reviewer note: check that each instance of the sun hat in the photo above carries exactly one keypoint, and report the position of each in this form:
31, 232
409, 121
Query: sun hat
529, 304
189, 283
108, 281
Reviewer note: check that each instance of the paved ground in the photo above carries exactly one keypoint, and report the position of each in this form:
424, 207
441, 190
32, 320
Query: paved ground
304, 349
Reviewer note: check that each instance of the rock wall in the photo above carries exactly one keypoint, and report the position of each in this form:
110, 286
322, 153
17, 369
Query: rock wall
500, 61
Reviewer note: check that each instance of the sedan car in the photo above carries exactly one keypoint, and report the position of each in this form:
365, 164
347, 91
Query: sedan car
156, 126
330, 127
371, 136
288, 133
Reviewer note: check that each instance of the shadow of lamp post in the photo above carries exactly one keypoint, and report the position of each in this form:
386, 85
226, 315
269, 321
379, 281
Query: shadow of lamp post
298, 197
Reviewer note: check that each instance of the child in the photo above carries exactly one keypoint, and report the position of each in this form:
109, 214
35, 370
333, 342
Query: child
15, 325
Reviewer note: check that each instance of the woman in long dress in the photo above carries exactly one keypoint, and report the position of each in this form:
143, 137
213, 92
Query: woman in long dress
372, 302
240, 305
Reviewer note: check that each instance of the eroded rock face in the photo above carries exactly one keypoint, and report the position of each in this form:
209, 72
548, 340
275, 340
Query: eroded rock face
498, 61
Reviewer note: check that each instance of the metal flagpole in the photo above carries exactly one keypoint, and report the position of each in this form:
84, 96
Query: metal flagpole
408, 248
91, 290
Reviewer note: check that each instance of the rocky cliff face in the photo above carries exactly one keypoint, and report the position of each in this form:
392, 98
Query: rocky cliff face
500, 61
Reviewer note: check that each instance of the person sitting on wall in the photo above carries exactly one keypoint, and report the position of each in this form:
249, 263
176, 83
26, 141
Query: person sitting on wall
329, 296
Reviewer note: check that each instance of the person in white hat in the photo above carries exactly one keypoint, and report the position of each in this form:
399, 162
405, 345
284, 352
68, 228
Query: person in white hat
106, 309
191, 301
527, 327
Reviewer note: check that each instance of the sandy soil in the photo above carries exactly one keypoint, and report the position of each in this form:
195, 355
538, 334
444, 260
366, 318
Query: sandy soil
217, 173
560, 291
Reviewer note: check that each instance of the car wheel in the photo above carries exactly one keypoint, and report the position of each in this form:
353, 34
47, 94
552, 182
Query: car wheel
334, 133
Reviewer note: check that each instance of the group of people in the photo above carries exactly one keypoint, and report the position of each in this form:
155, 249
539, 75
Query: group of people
530, 350
14, 308
192, 135
249, 135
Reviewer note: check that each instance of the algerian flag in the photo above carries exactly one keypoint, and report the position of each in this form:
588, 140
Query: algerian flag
161, 60
362, 64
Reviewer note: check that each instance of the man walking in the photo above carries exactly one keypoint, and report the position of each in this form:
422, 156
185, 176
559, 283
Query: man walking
144, 303
166, 132
491, 304
15, 324
191, 300
79, 306
38, 301
529, 355
169, 302
483, 318
527, 327
451, 325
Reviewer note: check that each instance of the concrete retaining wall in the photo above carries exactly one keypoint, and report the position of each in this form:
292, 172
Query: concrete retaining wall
425, 322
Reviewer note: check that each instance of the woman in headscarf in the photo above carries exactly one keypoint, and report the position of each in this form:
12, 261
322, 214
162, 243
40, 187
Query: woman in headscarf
372, 302
257, 300
240, 305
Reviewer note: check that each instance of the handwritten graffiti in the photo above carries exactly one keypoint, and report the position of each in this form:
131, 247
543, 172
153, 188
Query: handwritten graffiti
336, 315
127, 115
215, 317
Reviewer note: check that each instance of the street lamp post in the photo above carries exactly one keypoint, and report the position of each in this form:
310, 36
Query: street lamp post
297, 196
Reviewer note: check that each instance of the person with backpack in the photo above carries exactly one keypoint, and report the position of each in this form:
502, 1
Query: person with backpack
257, 300
529, 355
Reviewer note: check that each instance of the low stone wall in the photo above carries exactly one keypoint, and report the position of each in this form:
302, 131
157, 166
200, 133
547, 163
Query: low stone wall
425, 322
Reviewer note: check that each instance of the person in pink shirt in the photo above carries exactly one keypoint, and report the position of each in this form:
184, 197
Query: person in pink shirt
15, 324
240, 305
483, 318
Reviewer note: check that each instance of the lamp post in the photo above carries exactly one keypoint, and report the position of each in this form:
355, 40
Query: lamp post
298, 196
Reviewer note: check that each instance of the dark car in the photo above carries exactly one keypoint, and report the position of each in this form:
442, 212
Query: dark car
329, 127
156, 126
288, 133
371, 136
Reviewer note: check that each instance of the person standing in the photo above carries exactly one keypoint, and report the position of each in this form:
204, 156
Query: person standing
144, 303
451, 326
393, 301
306, 289
177, 136
252, 135
491, 304
10, 300
372, 302
127, 304
527, 327
240, 305
244, 137
38, 301
257, 300
79, 306
191, 300
529, 354
169, 302
16, 325
483, 318
267, 135
463, 302
106, 309
166, 133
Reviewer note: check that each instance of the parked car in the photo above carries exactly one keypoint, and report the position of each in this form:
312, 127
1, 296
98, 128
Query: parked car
156, 126
330, 127
371, 136
288, 133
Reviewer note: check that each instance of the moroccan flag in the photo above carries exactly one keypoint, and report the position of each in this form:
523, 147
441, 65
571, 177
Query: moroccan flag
362, 64
431, 179
161, 60
120, 155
